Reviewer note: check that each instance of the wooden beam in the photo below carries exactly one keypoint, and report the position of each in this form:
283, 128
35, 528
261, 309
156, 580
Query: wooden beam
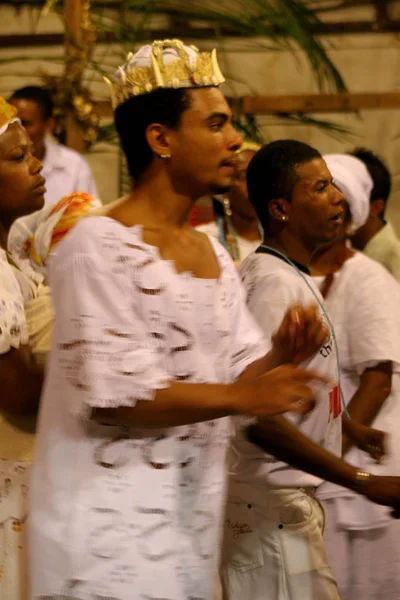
312, 103
196, 33
306, 103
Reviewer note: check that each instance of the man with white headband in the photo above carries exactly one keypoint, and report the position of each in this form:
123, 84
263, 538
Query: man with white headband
377, 237
151, 335
363, 300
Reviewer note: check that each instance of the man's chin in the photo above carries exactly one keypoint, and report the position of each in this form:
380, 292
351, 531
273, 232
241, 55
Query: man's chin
220, 188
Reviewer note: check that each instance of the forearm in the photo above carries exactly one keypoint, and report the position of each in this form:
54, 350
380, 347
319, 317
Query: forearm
270, 361
179, 404
367, 401
283, 440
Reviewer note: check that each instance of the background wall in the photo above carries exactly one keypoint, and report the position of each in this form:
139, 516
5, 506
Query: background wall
368, 62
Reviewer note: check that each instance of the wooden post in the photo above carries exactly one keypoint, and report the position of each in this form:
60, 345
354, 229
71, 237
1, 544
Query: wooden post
73, 41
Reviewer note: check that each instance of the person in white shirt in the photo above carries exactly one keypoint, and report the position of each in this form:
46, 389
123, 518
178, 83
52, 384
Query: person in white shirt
377, 237
273, 547
153, 348
363, 299
65, 170
236, 225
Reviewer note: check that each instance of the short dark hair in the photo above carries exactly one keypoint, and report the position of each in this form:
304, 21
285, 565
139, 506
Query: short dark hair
132, 118
39, 95
379, 172
271, 173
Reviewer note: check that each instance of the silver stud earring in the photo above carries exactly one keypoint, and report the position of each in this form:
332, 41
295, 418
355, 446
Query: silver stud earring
165, 156
284, 218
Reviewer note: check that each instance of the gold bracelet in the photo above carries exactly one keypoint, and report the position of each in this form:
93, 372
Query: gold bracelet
361, 480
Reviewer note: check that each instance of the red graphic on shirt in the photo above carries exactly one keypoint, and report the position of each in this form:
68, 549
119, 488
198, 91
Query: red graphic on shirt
335, 403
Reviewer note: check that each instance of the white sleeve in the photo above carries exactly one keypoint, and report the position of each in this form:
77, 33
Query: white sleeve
104, 347
374, 319
249, 343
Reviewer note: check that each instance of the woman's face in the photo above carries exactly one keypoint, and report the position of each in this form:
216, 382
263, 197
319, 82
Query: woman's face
21, 184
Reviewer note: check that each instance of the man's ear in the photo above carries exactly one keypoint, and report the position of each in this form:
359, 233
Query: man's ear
158, 138
278, 210
377, 207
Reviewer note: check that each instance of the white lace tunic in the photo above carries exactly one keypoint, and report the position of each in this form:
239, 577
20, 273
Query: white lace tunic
132, 513
12, 315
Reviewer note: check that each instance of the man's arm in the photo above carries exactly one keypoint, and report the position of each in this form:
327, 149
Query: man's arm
367, 401
254, 393
299, 336
283, 389
287, 443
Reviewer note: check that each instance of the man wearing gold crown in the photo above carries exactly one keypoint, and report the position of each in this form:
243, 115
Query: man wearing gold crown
153, 348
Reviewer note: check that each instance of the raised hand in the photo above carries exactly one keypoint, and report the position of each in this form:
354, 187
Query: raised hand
301, 334
286, 388
372, 441
385, 491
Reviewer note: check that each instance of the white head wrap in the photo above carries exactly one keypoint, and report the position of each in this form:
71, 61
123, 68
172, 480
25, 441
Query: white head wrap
351, 176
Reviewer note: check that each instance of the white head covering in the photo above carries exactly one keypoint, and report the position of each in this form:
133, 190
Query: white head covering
351, 176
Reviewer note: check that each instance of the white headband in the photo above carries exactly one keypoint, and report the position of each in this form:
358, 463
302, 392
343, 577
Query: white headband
351, 176
4, 128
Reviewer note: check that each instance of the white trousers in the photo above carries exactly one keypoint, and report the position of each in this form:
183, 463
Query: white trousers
366, 563
273, 546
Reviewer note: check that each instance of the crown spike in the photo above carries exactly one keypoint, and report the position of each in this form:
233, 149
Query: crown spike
215, 67
157, 71
110, 84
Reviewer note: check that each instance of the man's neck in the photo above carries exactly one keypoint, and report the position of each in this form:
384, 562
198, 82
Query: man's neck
367, 232
376, 227
246, 227
290, 247
328, 260
154, 203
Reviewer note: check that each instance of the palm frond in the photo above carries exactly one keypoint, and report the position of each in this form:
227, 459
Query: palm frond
288, 23
335, 130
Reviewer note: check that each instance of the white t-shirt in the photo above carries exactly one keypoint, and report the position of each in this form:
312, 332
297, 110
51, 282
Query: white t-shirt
272, 287
384, 247
132, 513
246, 247
66, 171
363, 304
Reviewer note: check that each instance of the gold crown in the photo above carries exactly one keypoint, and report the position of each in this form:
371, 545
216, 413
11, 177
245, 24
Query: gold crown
164, 64
8, 114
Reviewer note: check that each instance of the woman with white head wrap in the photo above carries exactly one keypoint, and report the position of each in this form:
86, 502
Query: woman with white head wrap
362, 299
